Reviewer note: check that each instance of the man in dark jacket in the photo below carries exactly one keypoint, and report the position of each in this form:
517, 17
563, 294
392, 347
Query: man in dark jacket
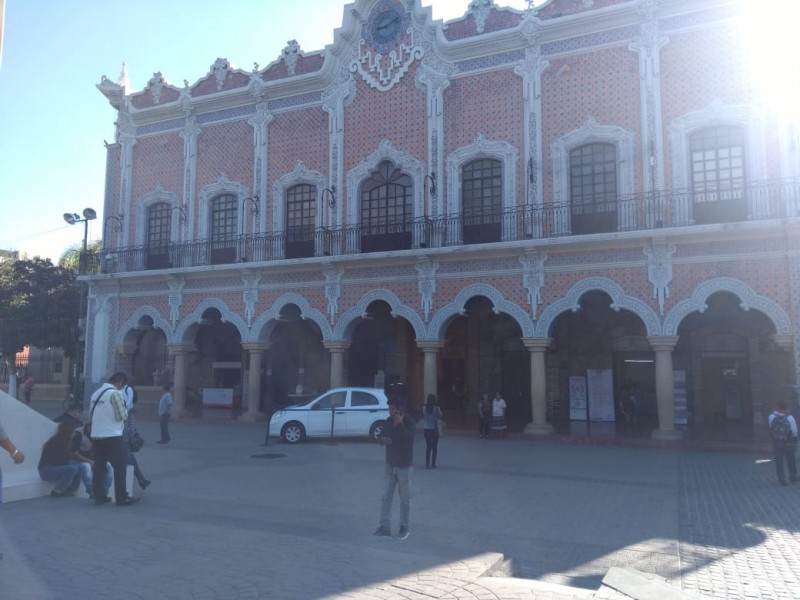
398, 437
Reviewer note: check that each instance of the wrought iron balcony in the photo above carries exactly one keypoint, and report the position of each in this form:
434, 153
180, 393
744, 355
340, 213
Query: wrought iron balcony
665, 209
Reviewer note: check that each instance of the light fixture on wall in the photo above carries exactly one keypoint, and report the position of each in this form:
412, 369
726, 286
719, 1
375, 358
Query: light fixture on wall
117, 220
332, 193
184, 214
432, 178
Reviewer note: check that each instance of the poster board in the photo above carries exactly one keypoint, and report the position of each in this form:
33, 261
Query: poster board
218, 397
577, 398
600, 387
679, 394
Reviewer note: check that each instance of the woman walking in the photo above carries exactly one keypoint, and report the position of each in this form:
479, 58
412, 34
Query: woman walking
430, 426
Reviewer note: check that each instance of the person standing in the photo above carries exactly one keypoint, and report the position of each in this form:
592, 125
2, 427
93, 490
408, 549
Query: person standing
107, 416
398, 437
128, 433
27, 388
499, 414
165, 413
783, 431
16, 455
484, 415
430, 427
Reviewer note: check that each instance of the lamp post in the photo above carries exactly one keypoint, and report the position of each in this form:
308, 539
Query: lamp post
77, 371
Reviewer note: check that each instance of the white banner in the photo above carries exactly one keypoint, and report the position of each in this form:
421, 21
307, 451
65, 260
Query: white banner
577, 398
600, 385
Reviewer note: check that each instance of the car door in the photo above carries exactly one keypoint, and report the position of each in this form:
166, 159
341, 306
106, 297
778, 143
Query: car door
319, 415
363, 411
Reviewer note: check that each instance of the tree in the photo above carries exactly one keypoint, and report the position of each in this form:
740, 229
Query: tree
39, 305
71, 257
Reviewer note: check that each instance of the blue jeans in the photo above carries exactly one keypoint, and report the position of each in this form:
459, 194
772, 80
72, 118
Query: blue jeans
400, 478
85, 472
63, 475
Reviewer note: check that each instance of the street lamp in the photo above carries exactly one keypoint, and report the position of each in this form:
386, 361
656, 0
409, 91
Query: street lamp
89, 214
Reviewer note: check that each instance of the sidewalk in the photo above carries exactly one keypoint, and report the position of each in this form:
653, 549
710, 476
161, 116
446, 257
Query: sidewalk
297, 523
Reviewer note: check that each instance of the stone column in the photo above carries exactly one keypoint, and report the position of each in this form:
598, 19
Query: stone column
430, 373
665, 397
337, 349
180, 353
537, 348
255, 351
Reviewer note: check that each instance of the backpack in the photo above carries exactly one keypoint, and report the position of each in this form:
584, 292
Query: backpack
780, 429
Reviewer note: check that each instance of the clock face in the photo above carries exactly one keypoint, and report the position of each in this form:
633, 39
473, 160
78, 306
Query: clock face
386, 27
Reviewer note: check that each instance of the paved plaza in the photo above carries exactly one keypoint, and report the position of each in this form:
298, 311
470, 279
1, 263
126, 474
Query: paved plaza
297, 524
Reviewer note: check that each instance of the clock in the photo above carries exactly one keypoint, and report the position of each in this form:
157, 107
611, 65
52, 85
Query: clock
386, 27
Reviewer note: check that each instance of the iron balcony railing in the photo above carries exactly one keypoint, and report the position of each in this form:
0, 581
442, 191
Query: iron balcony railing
758, 201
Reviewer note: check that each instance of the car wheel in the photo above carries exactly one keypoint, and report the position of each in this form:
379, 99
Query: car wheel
376, 430
293, 432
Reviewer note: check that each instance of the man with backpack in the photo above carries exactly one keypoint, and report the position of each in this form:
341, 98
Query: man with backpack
783, 430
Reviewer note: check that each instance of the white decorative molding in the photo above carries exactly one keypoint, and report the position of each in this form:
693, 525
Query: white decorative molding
400, 159
221, 186
333, 287
480, 10
533, 277
159, 194
438, 326
697, 302
250, 295
266, 321
507, 154
189, 133
648, 45
531, 69
592, 132
156, 84
347, 323
426, 283
175, 299
717, 113
260, 124
184, 333
126, 136
434, 76
383, 72
659, 270
334, 100
131, 322
300, 174
290, 55
220, 69
619, 301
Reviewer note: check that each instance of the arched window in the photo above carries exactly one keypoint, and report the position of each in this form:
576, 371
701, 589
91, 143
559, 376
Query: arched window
717, 174
301, 218
482, 200
159, 225
387, 210
593, 188
224, 228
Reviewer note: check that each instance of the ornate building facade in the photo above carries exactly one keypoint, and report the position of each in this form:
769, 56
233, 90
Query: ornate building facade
587, 193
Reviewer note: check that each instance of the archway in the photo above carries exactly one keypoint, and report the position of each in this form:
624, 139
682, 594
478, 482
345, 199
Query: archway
216, 366
735, 371
296, 365
382, 353
149, 358
483, 352
608, 351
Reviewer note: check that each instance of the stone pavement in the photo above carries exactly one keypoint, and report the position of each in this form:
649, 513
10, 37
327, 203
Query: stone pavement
219, 523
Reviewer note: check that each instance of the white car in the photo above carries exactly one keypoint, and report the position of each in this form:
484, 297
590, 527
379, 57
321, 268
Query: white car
349, 411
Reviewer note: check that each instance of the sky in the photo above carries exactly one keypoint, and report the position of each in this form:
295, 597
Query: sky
53, 120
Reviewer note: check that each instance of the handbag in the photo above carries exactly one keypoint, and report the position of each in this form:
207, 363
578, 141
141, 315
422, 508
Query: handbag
136, 442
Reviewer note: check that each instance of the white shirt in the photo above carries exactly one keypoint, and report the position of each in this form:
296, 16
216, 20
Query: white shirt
790, 418
127, 393
498, 407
